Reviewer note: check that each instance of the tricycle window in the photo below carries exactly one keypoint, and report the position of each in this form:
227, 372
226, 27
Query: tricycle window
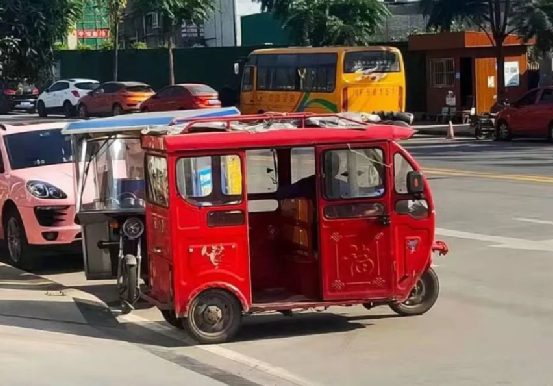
354, 173
112, 174
402, 167
158, 187
210, 181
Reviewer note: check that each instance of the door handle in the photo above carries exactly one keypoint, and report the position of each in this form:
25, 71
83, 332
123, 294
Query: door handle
157, 250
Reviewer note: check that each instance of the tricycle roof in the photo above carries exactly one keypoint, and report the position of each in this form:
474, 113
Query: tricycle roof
139, 122
286, 136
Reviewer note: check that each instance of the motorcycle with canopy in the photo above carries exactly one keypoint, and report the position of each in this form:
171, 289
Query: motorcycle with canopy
110, 199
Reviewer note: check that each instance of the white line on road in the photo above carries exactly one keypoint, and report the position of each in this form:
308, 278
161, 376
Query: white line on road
253, 363
534, 221
500, 241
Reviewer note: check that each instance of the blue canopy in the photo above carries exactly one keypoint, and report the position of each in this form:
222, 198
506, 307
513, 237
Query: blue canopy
139, 122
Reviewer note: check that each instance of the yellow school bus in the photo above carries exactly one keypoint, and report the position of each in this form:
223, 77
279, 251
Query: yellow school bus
324, 80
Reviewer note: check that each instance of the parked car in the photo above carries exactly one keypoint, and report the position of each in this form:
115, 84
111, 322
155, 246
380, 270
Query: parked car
37, 193
182, 97
114, 98
17, 95
63, 96
530, 116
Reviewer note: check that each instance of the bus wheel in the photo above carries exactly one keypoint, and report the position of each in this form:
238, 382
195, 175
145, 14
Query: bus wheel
214, 317
422, 297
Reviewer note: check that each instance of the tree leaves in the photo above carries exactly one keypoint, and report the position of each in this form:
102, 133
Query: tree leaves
34, 27
329, 22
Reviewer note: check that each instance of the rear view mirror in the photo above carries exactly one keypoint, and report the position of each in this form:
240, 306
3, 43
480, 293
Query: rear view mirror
236, 68
415, 183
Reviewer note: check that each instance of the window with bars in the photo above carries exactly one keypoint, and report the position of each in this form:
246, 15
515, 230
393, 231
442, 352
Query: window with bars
442, 72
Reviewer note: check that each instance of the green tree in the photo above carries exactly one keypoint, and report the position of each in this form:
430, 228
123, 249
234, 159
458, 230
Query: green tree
498, 18
29, 29
173, 13
329, 22
115, 10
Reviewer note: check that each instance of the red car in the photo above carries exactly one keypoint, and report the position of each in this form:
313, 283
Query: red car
114, 98
182, 97
530, 116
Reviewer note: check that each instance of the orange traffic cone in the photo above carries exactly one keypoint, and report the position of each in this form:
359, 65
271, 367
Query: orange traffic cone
450, 131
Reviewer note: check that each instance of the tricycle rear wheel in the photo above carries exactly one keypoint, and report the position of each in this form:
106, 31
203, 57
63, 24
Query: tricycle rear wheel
214, 317
171, 318
422, 297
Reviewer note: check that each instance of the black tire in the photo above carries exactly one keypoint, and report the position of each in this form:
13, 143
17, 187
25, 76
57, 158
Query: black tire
20, 253
503, 131
82, 111
422, 298
130, 284
550, 133
42, 112
479, 133
68, 109
213, 317
4, 107
116, 110
32, 111
171, 318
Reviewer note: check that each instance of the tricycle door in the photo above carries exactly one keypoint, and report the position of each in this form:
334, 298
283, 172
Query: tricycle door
210, 229
354, 212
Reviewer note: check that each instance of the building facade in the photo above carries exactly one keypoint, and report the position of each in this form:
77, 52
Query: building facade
92, 30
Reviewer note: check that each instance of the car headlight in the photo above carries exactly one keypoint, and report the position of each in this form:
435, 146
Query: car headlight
133, 228
45, 190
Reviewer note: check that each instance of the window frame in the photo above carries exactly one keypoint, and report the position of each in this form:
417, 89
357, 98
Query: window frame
248, 81
198, 201
384, 175
448, 75
149, 200
395, 175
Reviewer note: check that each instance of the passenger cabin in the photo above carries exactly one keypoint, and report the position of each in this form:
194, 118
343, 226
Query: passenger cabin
296, 214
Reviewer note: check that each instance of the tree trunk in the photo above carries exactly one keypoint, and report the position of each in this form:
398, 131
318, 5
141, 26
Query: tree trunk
501, 89
170, 46
116, 50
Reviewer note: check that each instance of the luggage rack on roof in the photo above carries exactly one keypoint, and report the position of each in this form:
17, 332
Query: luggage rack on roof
270, 121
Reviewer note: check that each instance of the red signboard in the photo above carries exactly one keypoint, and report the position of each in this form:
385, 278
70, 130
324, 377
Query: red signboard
93, 33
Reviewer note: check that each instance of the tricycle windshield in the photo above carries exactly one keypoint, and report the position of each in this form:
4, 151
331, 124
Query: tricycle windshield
111, 174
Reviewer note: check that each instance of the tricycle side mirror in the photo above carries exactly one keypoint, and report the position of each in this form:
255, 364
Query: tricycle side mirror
415, 183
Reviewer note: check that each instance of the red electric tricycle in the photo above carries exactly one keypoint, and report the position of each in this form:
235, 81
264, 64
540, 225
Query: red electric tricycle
277, 213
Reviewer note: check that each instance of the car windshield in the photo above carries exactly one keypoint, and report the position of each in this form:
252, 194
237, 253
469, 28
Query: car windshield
139, 89
200, 89
87, 85
38, 148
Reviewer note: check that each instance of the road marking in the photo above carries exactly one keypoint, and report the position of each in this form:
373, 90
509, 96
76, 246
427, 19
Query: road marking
512, 177
499, 241
253, 363
534, 221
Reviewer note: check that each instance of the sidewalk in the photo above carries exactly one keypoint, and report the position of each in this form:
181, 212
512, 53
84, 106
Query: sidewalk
441, 129
50, 335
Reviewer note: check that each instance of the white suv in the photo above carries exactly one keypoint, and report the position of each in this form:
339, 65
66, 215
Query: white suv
64, 95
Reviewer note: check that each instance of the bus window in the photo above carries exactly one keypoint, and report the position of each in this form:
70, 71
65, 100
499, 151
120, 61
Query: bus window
371, 61
247, 79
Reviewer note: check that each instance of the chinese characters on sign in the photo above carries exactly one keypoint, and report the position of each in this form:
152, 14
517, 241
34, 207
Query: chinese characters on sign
93, 33
512, 74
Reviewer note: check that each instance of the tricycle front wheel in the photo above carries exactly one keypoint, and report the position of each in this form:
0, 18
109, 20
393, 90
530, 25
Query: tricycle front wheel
214, 317
422, 297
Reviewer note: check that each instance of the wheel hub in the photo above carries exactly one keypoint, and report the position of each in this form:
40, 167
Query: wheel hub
213, 314
417, 294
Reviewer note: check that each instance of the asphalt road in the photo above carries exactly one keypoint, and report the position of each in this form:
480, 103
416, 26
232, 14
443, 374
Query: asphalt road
491, 325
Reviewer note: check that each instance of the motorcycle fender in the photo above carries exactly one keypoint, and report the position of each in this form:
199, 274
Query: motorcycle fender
131, 260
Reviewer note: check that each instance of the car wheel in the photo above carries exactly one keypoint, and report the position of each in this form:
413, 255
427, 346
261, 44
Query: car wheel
504, 131
42, 109
550, 132
214, 317
19, 250
422, 298
68, 109
82, 111
116, 110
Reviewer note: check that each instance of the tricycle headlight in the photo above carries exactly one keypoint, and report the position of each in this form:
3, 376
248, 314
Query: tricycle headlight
133, 228
45, 190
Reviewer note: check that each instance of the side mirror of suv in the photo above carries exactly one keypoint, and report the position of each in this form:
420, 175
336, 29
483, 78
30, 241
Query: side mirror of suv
415, 183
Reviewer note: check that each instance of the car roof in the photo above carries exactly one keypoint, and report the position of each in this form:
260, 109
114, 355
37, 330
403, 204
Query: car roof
143, 121
306, 137
80, 80
23, 127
